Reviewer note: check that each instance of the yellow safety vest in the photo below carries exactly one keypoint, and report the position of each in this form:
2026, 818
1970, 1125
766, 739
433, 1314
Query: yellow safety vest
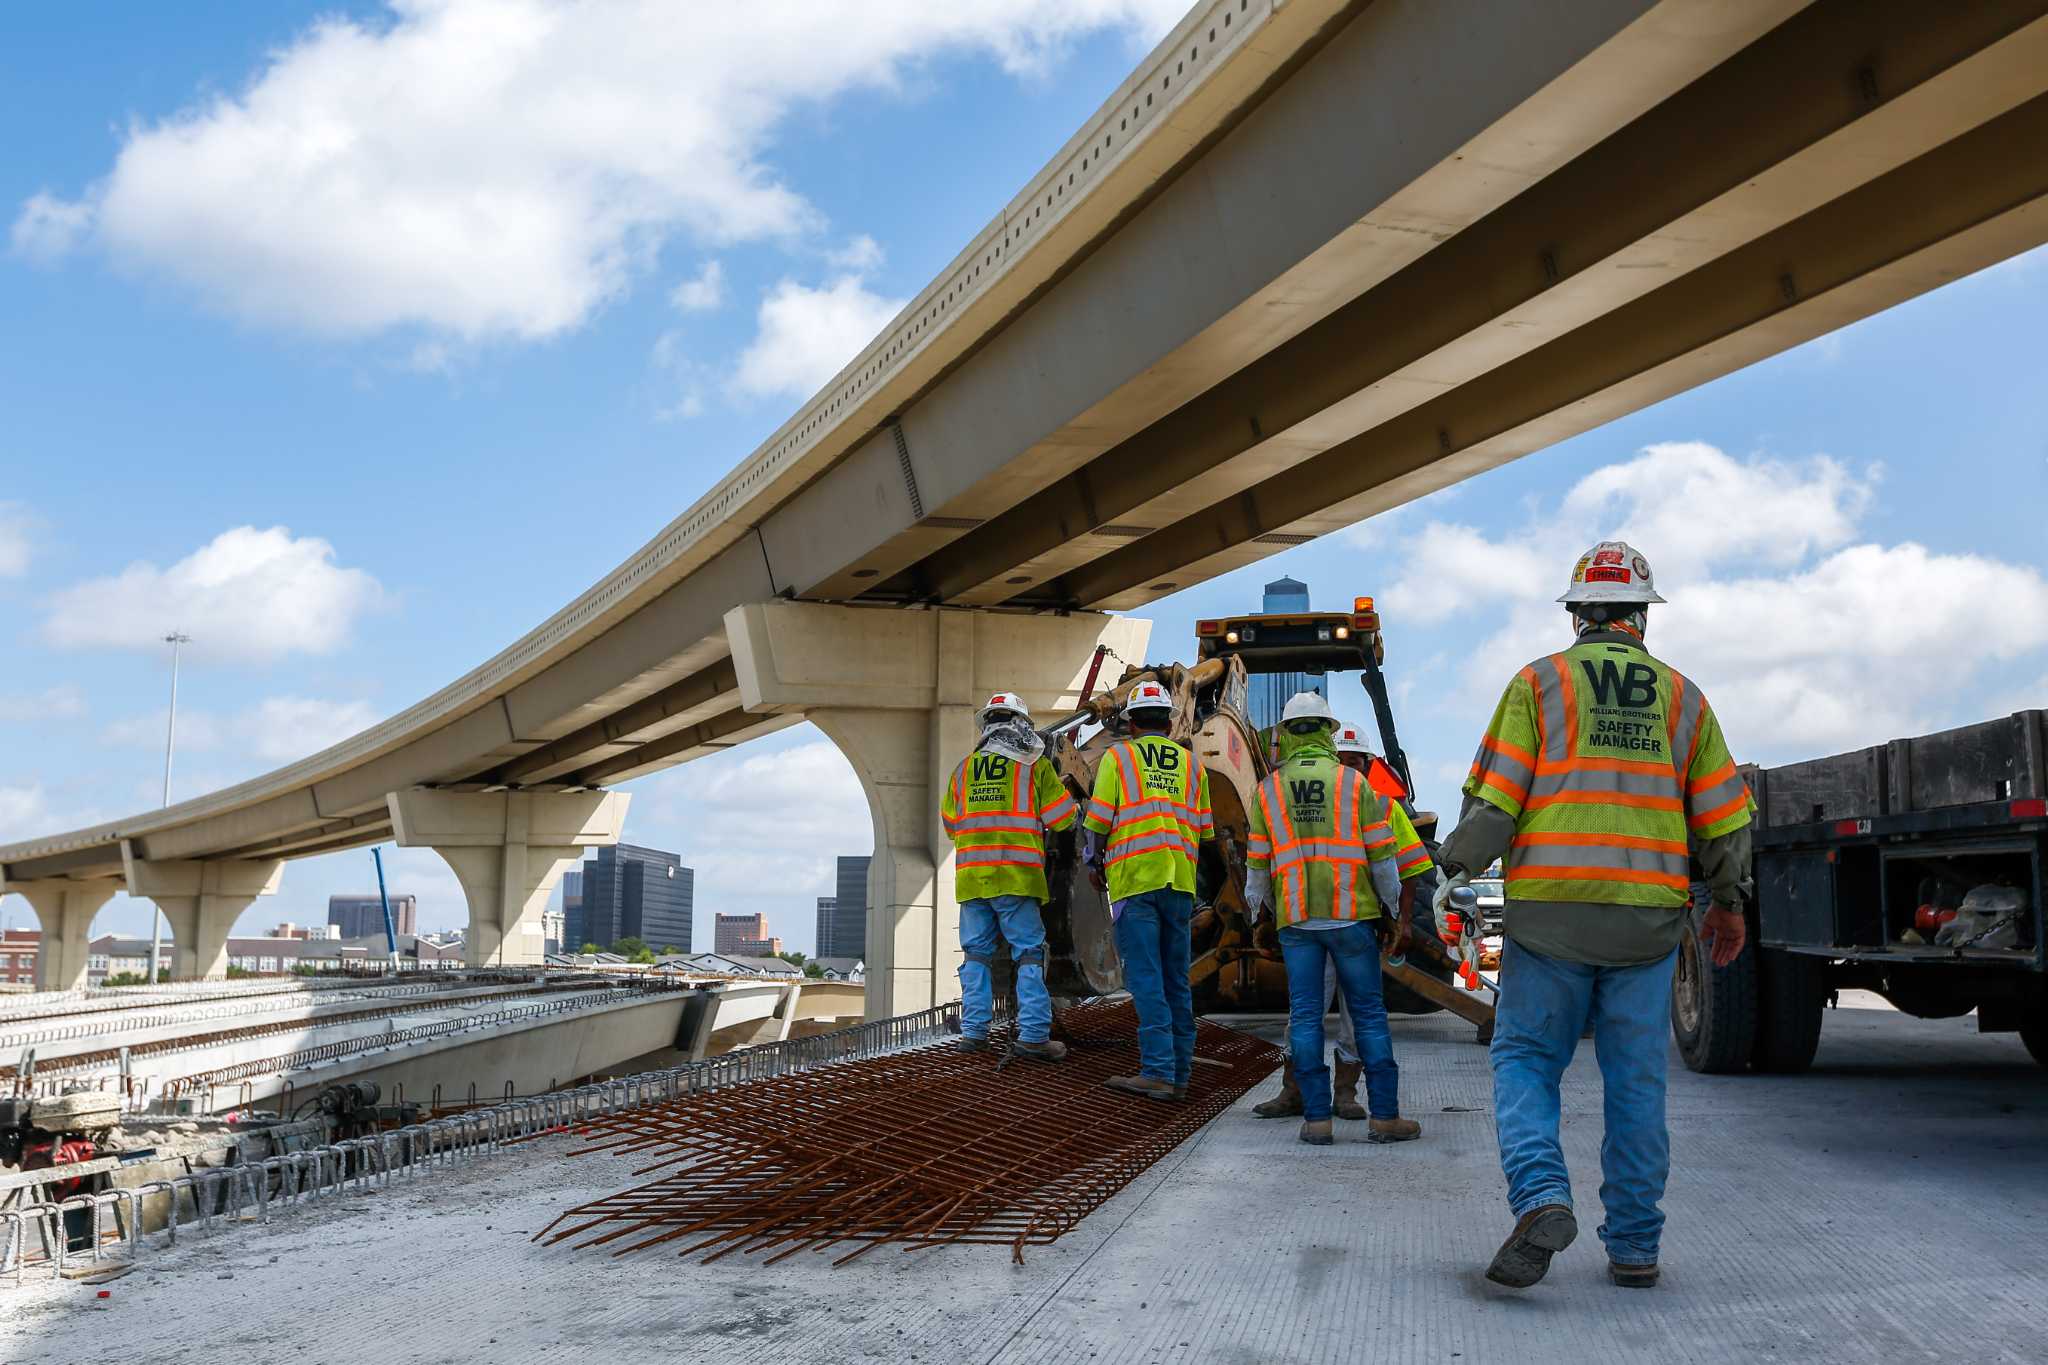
1152, 799
996, 812
1606, 758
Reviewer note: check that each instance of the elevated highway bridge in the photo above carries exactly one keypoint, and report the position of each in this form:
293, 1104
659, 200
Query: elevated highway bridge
1313, 259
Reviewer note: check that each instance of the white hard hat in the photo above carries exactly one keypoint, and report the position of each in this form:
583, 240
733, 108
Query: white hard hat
1147, 696
1002, 701
1612, 571
1308, 706
1350, 740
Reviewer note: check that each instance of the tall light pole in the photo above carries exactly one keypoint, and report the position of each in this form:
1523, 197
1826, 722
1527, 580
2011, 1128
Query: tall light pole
177, 640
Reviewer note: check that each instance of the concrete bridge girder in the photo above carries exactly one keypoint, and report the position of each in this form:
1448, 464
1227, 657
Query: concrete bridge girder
64, 908
201, 900
897, 690
508, 849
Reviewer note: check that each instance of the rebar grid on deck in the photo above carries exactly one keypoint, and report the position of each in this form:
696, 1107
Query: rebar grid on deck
925, 1147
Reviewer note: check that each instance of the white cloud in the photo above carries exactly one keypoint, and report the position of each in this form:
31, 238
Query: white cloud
1805, 642
24, 813
762, 827
501, 168
14, 540
48, 229
702, 292
63, 702
805, 335
860, 255
247, 595
276, 730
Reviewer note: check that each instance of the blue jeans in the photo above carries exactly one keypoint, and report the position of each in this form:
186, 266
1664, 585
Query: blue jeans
1152, 940
1354, 952
1545, 1004
1019, 922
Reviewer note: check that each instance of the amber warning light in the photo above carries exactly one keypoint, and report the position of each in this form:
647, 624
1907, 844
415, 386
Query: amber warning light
1363, 617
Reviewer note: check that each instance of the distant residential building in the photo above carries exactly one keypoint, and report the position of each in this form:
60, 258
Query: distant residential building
1268, 693
110, 955
290, 930
765, 966
18, 949
553, 928
841, 968
572, 910
845, 932
360, 915
633, 892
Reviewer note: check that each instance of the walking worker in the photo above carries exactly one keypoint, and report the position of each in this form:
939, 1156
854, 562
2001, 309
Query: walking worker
1599, 766
1322, 847
1411, 859
1000, 802
1144, 830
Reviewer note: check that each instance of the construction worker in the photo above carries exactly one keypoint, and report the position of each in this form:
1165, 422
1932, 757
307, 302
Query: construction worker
1144, 828
1329, 840
1411, 858
1000, 802
1599, 765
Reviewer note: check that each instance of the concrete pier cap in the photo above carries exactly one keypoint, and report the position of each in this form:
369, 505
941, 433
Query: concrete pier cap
201, 900
508, 849
896, 689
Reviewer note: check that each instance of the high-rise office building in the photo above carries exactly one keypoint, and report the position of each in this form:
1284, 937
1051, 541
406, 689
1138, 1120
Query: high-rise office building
1269, 692
844, 933
362, 916
826, 906
744, 936
634, 892
572, 910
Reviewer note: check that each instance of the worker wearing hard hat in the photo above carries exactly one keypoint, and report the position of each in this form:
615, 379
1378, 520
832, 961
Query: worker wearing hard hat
1411, 858
1322, 849
1000, 802
1144, 828
1602, 770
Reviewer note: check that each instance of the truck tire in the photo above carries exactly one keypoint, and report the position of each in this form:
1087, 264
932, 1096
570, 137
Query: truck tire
2034, 1033
1713, 1009
1792, 992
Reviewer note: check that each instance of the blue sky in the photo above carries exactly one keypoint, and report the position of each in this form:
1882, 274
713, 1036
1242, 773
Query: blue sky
361, 455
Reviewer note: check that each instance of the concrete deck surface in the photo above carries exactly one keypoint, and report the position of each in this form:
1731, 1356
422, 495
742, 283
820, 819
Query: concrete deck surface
1890, 1206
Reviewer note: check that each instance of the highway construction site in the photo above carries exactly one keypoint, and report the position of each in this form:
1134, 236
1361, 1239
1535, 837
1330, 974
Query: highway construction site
1785, 1239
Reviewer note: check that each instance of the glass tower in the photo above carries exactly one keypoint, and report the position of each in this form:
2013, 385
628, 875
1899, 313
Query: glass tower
1269, 691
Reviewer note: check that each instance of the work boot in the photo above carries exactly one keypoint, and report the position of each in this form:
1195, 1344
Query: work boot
1539, 1234
1286, 1104
972, 1044
1318, 1132
1049, 1051
1180, 1092
1633, 1276
1151, 1087
1393, 1130
1346, 1093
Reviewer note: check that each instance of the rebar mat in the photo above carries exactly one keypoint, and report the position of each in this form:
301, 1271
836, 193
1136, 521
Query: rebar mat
922, 1148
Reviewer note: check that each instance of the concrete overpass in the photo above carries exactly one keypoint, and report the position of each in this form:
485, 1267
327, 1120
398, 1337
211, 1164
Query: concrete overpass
1313, 259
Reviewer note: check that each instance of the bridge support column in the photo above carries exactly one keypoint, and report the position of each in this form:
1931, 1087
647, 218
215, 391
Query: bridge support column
201, 900
508, 849
65, 909
897, 690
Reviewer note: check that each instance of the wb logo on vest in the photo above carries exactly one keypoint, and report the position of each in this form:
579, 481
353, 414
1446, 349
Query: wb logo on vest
1307, 791
1635, 688
1164, 757
989, 768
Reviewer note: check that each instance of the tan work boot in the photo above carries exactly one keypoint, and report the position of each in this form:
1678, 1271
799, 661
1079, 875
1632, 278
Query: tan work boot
1150, 1087
1539, 1234
1286, 1104
1180, 1092
1346, 1091
1393, 1130
1318, 1132
1050, 1051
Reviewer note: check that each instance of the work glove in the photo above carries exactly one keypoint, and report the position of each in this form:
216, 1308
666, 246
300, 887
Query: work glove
1438, 903
1092, 850
1258, 889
